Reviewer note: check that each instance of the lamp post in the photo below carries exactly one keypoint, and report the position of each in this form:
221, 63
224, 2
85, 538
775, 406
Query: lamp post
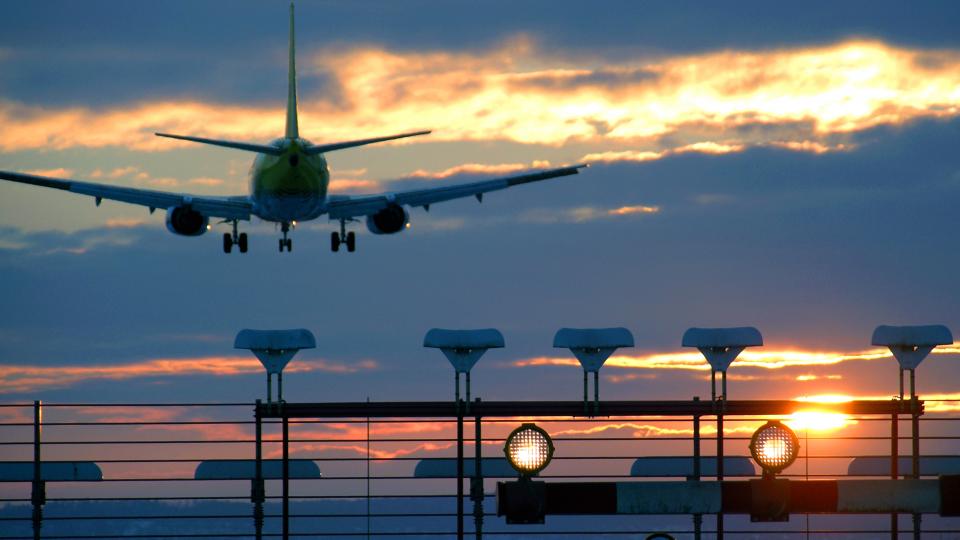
592, 347
721, 346
274, 349
910, 345
463, 348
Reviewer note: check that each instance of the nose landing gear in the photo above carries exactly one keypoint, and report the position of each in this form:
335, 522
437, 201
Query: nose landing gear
285, 242
234, 239
343, 237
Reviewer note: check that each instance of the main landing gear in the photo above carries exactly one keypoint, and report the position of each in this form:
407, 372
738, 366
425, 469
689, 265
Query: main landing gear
343, 237
234, 239
285, 242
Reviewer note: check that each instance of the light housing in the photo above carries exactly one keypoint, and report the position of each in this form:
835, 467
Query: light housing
529, 449
774, 446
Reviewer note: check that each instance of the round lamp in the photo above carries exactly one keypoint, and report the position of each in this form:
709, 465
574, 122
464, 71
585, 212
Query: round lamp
528, 449
774, 447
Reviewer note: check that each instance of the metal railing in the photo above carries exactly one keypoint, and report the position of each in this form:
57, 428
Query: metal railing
368, 452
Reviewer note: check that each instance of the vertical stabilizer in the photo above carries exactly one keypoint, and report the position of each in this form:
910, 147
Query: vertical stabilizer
293, 130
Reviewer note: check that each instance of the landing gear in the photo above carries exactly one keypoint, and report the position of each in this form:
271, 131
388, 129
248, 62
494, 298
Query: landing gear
234, 239
351, 242
285, 242
343, 237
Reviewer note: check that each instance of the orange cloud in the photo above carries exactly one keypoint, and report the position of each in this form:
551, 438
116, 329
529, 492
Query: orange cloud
205, 181
767, 359
479, 168
19, 379
630, 210
516, 92
59, 172
583, 214
124, 223
338, 185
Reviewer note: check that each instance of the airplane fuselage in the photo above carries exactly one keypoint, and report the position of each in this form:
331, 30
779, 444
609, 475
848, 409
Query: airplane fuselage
291, 186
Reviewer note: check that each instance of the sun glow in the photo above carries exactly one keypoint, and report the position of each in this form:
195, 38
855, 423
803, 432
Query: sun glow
818, 421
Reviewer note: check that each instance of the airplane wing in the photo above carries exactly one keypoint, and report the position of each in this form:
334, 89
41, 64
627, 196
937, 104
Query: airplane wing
351, 207
220, 207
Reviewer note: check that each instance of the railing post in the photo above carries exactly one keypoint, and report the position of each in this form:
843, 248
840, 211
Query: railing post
258, 490
697, 518
38, 494
286, 473
476, 484
915, 418
722, 409
459, 469
894, 465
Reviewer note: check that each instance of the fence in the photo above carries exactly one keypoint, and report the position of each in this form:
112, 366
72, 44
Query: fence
152, 485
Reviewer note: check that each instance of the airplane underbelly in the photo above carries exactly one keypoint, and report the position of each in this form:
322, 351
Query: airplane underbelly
288, 207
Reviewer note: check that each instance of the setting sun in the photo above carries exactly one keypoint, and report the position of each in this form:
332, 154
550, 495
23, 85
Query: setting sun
818, 421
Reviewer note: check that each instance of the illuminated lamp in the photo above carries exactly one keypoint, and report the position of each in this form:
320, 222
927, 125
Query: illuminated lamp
774, 447
529, 450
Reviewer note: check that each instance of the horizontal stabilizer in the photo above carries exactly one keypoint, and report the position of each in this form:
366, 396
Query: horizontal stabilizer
250, 147
322, 148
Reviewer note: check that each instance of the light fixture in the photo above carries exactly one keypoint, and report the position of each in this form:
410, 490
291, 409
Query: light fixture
463, 348
774, 447
529, 449
275, 349
592, 347
910, 345
721, 346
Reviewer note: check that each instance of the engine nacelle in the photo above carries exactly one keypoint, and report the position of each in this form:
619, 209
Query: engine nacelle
185, 221
390, 220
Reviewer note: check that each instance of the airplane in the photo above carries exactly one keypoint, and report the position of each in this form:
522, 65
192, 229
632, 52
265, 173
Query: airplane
288, 184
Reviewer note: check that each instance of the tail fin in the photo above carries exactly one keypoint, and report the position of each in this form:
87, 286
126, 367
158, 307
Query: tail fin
293, 130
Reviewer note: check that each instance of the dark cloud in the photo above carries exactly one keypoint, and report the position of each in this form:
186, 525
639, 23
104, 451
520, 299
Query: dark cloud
65, 52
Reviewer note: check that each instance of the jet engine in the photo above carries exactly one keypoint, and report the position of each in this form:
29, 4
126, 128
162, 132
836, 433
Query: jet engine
186, 221
390, 220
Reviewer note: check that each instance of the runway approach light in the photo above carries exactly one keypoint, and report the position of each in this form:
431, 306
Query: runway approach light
721, 346
910, 345
774, 446
529, 450
463, 348
592, 347
275, 349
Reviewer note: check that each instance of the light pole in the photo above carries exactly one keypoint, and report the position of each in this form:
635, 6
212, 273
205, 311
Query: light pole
910, 345
463, 348
720, 346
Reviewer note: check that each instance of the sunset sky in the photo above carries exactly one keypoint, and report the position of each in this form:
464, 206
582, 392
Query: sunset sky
792, 167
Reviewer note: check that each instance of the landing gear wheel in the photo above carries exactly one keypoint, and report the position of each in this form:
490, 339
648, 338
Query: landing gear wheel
351, 242
289, 243
281, 245
228, 243
335, 242
242, 242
